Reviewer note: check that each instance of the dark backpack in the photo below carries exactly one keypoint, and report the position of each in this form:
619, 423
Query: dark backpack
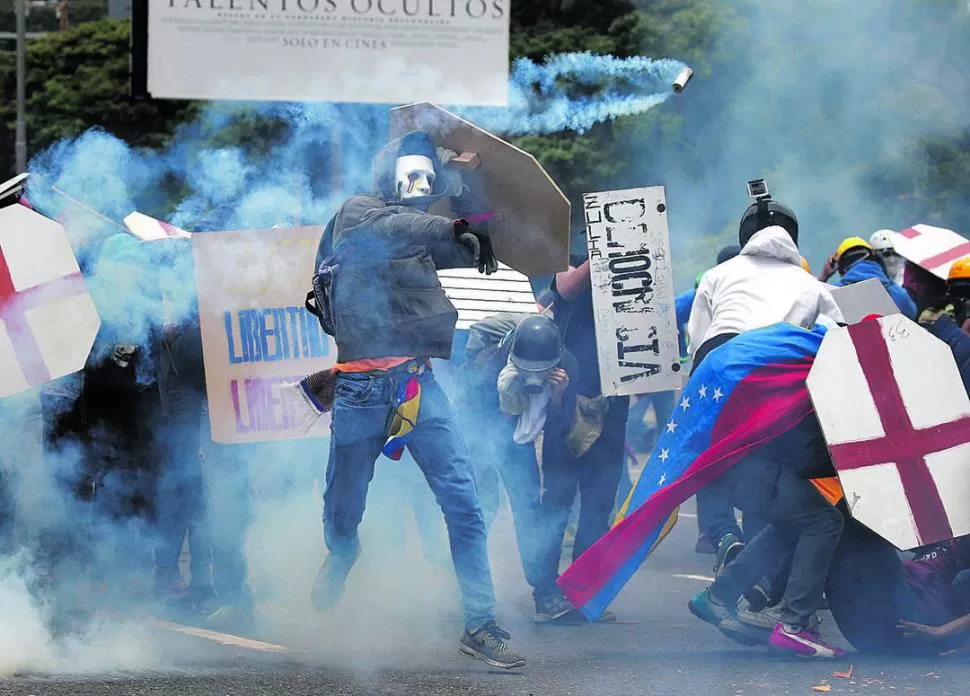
319, 301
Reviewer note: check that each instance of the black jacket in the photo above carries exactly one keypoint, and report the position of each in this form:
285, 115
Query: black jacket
386, 297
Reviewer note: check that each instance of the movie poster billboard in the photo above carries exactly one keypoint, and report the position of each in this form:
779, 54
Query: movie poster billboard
633, 291
371, 51
256, 332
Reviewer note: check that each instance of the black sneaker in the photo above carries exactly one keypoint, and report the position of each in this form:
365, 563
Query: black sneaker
490, 645
328, 588
727, 550
552, 608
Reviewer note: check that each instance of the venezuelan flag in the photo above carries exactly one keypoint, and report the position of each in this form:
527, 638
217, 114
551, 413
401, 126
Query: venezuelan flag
407, 403
744, 394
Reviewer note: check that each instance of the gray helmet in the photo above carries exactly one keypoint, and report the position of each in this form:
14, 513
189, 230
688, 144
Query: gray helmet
536, 344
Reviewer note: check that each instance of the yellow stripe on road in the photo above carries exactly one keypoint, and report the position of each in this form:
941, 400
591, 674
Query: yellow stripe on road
221, 638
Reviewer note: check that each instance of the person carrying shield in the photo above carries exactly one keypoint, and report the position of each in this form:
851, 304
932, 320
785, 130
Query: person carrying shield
378, 294
764, 285
855, 261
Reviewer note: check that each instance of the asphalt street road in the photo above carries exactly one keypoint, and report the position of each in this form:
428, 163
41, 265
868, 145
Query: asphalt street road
661, 650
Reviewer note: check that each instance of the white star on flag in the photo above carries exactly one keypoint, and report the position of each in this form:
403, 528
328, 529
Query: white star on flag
664, 456
671, 427
703, 391
685, 403
663, 479
718, 394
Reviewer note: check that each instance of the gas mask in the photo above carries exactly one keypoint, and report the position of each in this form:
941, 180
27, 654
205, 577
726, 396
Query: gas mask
414, 176
534, 382
893, 263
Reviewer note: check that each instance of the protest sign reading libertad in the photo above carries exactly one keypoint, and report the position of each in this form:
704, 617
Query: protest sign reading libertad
256, 332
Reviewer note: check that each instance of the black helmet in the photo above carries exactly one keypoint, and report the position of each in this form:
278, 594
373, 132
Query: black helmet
536, 344
766, 213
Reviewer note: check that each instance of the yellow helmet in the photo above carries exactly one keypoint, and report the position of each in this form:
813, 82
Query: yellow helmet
851, 243
960, 270
808, 269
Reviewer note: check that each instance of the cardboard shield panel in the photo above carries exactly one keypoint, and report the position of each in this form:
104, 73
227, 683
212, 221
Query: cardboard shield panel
859, 300
896, 418
477, 296
48, 321
932, 248
256, 332
148, 229
530, 227
633, 291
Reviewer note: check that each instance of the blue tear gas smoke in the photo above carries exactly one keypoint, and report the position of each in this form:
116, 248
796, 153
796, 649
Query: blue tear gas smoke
547, 98
323, 152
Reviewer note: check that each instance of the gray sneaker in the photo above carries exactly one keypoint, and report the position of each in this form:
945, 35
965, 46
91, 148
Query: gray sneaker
490, 645
765, 619
552, 608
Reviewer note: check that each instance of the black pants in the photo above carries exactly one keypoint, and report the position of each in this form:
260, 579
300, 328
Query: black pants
597, 476
773, 482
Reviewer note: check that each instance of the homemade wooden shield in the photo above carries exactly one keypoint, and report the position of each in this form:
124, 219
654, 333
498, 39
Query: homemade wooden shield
530, 227
859, 300
256, 332
148, 229
896, 418
633, 291
477, 296
48, 320
932, 248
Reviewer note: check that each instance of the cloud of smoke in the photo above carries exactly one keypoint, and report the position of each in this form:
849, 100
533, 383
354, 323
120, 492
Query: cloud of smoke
575, 91
209, 179
833, 103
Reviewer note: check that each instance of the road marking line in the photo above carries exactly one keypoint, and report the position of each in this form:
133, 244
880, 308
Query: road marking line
687, 576
689, 515
222, 638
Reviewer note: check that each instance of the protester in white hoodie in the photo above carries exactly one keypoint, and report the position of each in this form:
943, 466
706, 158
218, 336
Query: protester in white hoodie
765, 285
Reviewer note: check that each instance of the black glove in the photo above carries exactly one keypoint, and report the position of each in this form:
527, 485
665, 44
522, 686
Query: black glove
480, 245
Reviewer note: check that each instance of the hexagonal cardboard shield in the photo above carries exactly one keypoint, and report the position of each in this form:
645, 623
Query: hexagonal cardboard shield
932, 248
530, 227
896, 418
48, 320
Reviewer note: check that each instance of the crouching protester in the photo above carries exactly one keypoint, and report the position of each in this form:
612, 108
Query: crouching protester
515, 376
378, 294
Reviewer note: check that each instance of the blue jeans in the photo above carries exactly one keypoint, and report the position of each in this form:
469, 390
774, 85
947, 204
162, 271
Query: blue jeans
363, 404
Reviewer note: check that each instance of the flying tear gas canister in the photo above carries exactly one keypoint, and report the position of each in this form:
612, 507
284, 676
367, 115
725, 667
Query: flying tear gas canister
682, 79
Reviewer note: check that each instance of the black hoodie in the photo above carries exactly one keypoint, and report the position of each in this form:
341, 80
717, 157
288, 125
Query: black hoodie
386, 297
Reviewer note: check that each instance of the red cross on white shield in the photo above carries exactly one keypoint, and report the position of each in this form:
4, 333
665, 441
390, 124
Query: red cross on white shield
894, 412
47, 318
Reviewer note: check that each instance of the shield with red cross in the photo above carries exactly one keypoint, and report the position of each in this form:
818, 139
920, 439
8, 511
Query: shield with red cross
896, 418
48, 321
932, 248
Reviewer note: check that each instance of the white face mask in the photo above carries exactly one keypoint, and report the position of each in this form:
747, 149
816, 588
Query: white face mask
414, 176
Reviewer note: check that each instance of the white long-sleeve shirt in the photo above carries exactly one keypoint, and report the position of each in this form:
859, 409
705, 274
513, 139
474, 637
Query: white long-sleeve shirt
765, 284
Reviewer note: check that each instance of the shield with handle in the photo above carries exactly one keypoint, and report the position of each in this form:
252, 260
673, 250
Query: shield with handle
895, 415
48, 321
528, 216
933, 248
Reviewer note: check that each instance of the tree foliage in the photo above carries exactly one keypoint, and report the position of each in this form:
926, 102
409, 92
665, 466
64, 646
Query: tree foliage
77, 80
